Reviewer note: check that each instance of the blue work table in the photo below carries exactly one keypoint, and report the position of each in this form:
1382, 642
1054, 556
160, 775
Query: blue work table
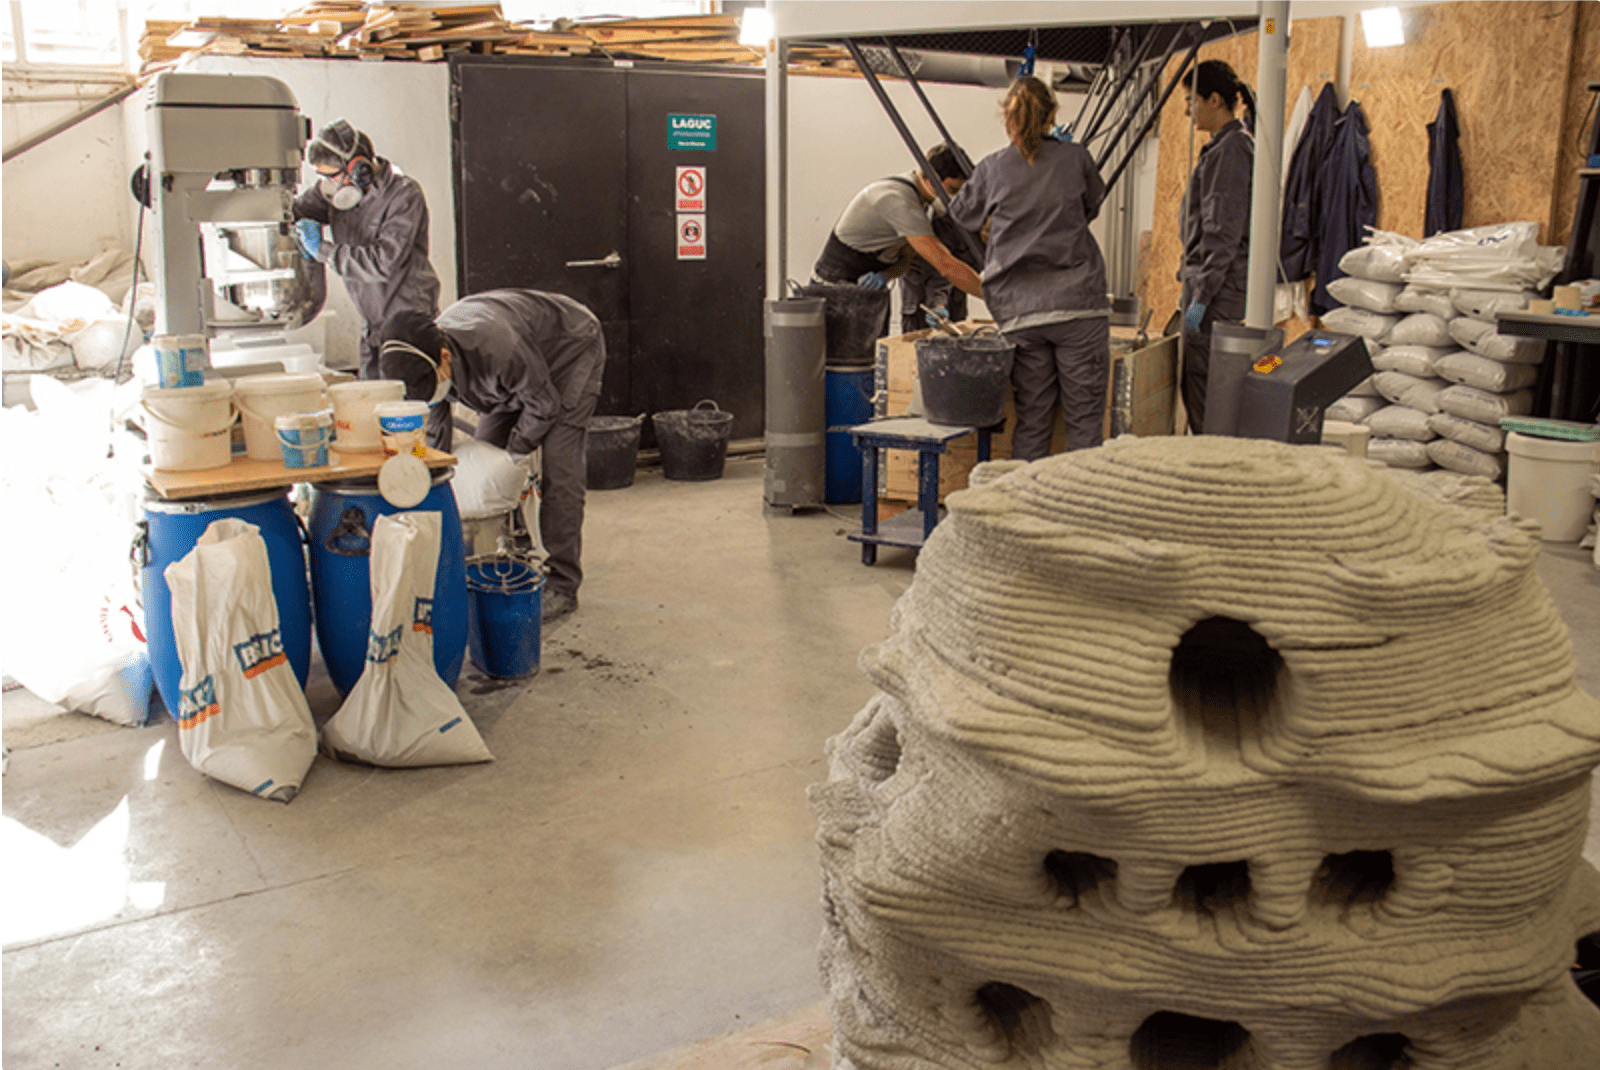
911, 528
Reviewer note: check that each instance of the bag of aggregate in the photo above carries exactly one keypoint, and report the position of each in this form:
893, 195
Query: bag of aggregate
1352, 409
1485, 339
1420, 329
1370, 294
1403, 389
1416, 298
1399, 452
1483, 304
1413, 360
1370, 325
1398, 421
1485, 374
1459, 457
1366, 388
1485, 437
1470, 403
1383, 263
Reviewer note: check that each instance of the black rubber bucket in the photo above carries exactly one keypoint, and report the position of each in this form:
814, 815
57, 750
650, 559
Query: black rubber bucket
964, 380
694, 442
613, 451
852, 318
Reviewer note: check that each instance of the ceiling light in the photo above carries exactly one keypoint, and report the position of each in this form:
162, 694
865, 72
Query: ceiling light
755, 27
1382, 27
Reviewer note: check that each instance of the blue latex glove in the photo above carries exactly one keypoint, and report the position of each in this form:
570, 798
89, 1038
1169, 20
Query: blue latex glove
937, 316
1062, 134
1192, 317
872, 280
308, 233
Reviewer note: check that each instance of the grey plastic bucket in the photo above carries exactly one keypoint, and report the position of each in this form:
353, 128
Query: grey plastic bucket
612, 455
694, 442
964, 380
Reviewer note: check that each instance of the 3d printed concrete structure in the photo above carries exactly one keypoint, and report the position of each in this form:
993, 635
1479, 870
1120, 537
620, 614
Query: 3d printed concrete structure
1214, 753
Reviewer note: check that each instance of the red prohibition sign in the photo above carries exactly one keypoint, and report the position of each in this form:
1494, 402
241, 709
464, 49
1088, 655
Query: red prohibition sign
690, 183
691, 231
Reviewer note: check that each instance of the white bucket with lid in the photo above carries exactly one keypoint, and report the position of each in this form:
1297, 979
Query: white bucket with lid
264, 398
304, 437
1548, 480
187, 426
355, 417
402, 424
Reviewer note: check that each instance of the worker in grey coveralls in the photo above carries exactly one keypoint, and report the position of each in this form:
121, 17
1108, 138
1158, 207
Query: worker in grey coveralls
1216, 224
529, 364
379, 222
886, 226
1043, 277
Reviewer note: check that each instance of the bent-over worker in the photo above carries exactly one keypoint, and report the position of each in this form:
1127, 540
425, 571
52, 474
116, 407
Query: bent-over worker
529, 364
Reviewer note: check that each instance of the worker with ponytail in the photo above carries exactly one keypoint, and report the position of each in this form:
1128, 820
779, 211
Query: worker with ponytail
1044, 279
1216, 223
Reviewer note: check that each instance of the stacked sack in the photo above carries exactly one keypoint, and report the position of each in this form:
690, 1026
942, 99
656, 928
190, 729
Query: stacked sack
1427, 310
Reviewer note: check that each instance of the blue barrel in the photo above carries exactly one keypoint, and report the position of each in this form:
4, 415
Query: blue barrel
342, 516
173, 529
505, 599
847, 401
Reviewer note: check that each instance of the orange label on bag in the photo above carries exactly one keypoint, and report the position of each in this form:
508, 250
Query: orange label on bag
1268, 364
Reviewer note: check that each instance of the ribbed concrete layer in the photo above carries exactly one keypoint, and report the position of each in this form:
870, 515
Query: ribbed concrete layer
1045, 613
1083, 824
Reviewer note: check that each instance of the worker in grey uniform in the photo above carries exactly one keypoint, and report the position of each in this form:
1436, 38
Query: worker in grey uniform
1216, 224
886, 226
529, 365
379, 222
1044, 279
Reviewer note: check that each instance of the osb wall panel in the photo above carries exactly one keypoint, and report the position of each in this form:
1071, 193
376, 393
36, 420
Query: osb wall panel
1507, 64
1574, 131
1313, 59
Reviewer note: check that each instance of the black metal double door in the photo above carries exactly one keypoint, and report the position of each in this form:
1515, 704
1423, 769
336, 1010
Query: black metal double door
568, 180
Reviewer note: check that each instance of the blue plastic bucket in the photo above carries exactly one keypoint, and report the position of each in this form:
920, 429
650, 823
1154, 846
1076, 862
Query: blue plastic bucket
342, 516
304, 437
181, 359
174, 527
847, 401
505, 599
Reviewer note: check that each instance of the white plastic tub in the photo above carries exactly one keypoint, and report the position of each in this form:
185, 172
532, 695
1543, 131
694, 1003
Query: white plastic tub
187, 426
403, 425
355, 417
1549, 481
264, 398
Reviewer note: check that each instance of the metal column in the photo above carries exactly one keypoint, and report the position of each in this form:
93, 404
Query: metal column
1266, 192
777, 114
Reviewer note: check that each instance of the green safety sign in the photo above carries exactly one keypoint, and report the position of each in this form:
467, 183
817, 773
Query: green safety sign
697, 132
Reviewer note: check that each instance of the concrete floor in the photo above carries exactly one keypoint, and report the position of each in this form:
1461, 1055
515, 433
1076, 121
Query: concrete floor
634, 872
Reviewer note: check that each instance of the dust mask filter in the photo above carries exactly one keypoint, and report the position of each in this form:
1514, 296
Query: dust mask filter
441, 382
343, 196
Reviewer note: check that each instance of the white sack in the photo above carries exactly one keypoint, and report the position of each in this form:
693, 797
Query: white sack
1366, 388
1403, 389
1382, 263
400, 713
1422, 299
1483, 304
1485, 374
1370, 294
1370, 325
1413, 360
1485, 437
487, 481
1399, 452
1352, 409
1485, 339
1458, 457
1470, 403
242, 717
1420, 329
1399, 421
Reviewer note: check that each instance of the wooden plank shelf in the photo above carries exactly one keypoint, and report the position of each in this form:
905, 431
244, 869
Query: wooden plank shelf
247, 473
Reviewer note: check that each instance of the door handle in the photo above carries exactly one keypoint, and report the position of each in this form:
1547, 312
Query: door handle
612, 260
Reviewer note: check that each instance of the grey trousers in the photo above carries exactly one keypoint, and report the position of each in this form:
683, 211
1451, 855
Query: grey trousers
1227, 307
1065, 363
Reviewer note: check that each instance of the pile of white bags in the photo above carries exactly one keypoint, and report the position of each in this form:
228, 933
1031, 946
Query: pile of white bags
1446, 373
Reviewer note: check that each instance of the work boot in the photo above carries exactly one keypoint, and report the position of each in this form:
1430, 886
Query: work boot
557, 604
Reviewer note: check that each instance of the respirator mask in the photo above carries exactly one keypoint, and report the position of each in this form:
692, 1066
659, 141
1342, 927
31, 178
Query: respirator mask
441, 382
341, 193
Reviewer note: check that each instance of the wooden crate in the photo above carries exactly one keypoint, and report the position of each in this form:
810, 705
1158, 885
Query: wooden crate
1140, 393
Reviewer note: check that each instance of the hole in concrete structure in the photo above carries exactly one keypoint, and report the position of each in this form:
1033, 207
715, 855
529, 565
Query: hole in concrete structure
1223, 671
1214, 886
879, 748
1378, 1051
1171, 1041
1019, 1016
1357, 877
1075, 872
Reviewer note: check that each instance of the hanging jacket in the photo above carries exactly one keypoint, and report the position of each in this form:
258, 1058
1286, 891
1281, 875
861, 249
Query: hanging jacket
1349, 201
1302, 197
1445, 180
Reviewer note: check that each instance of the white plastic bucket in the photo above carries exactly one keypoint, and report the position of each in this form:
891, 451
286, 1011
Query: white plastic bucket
303, 437
181, 359
264, 398
402, 424
187, 426
1548, 480
355, 417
